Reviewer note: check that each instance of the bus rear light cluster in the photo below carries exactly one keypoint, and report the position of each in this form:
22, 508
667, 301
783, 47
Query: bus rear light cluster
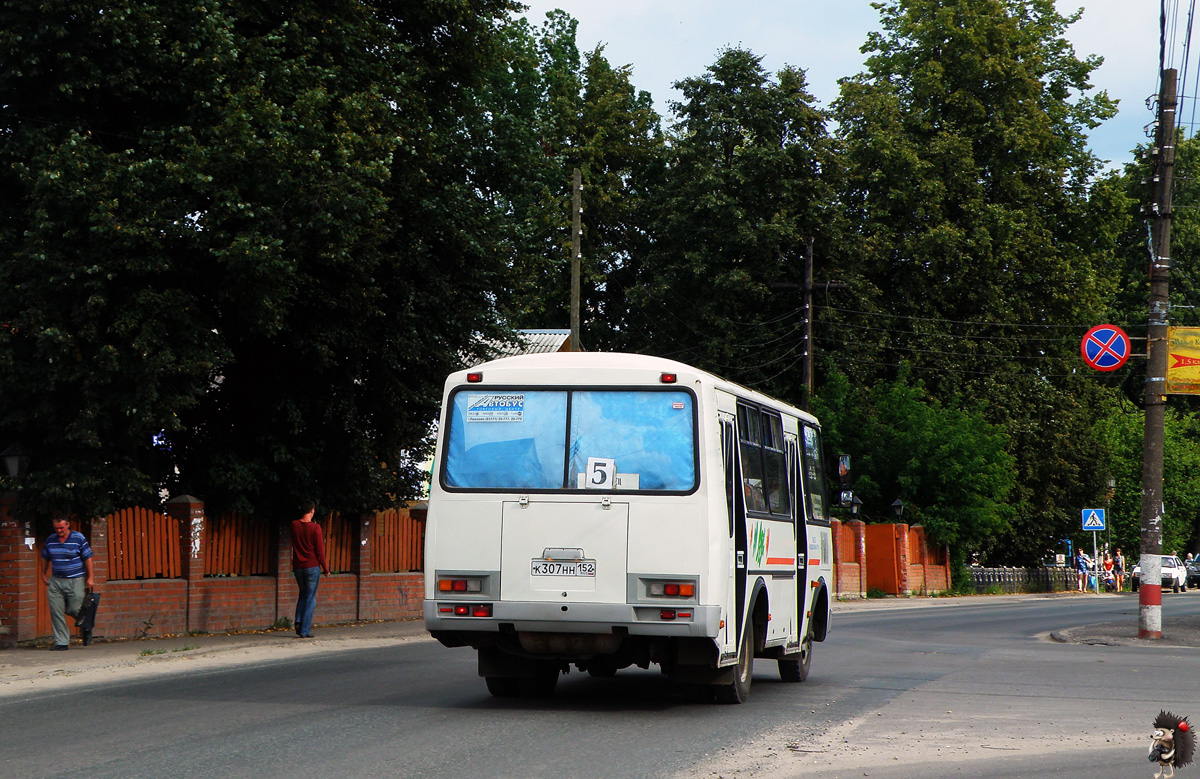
670, 614
460, 585
673, 589
467, 609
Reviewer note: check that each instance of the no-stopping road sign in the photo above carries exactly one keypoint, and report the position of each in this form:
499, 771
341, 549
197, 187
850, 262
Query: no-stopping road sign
1105, 347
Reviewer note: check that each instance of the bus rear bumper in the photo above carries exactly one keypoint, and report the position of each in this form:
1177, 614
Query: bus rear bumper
692, 621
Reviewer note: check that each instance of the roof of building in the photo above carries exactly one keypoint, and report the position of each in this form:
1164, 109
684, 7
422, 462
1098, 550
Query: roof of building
538, 342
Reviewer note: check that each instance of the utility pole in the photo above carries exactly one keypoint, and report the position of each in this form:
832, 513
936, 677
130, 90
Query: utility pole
576, 190
807, 347
808, 323
1157, 347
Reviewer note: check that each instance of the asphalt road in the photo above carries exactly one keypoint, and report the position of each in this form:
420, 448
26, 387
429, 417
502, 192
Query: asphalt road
929, 688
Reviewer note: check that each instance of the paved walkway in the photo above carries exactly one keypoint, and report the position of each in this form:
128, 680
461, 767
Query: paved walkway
27, 663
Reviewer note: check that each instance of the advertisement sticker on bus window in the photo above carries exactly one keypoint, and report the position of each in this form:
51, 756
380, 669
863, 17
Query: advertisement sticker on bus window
496, 407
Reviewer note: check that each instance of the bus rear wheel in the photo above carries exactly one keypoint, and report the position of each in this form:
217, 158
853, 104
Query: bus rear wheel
503, 686
738, 691
794, 668
542, 683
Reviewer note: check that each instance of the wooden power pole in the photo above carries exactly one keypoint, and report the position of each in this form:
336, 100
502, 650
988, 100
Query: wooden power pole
1157, 347
576, 190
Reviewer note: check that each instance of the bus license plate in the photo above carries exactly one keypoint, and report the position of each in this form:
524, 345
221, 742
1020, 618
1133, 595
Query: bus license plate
563, 568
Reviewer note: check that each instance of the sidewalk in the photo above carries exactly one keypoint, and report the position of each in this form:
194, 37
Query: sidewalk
1176, 631
21, 666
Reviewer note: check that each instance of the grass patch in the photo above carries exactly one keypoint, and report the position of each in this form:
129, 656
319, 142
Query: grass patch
875, 592
148, 652
187, 648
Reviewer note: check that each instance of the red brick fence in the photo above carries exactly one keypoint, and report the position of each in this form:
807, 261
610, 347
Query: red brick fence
184, 571
894, 559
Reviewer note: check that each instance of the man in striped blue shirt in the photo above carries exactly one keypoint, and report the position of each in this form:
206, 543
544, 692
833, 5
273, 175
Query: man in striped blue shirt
66, 569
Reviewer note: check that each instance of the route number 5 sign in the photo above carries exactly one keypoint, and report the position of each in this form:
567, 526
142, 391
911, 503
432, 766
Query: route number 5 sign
601, 473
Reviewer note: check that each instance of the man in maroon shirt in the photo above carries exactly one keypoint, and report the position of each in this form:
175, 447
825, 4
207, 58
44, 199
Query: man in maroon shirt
308, 563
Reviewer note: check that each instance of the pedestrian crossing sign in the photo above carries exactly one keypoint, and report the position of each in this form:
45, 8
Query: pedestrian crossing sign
1093, 519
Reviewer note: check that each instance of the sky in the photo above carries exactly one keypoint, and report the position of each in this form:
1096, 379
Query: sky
668, 40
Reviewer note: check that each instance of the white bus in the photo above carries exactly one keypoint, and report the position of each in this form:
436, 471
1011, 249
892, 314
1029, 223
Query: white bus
608, 510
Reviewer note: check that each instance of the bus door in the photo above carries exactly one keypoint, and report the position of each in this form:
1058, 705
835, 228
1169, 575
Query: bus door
800, 515
736, 516
564, 551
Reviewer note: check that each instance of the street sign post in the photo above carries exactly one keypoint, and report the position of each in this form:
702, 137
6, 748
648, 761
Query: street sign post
1095, 521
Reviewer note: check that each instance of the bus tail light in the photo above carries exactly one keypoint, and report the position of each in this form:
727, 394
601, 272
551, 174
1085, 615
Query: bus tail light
672, 589
668, 378
467, 609
460, 585
667, 614
474, 377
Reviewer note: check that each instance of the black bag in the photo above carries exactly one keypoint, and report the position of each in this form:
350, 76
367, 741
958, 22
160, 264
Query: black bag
85, 620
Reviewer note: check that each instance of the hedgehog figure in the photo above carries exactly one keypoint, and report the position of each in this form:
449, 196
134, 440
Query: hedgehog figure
1171, 744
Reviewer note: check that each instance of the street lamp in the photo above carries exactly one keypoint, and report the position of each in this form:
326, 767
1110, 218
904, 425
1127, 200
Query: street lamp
16, 461
854, 504
898, 507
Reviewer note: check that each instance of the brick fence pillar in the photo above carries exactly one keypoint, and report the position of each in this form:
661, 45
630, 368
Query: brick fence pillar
835, 534
902, 558
98, 539
362, 563
286, 589
21, 584
190, 513
859, 529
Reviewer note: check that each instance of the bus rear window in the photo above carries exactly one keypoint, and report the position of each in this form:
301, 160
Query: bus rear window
614, 440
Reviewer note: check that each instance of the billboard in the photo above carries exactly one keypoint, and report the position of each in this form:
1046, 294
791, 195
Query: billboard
1183, 361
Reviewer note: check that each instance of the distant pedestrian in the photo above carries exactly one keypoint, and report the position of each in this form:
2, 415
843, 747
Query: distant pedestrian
1082, 562
308, 563
67, 571
1119, 569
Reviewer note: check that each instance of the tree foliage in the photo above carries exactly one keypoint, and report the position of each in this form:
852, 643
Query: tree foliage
576, 111
241, 244
246, 232
946, 463
977, 247
742, 192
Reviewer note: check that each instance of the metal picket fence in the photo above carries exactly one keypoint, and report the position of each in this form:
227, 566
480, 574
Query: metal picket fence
1014, 580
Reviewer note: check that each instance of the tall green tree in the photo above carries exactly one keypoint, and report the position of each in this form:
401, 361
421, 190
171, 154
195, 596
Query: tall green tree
564, 111
241, 245
744, 189
975, 244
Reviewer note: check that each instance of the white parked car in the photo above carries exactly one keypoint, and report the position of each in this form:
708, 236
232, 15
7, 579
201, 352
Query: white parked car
1174, 574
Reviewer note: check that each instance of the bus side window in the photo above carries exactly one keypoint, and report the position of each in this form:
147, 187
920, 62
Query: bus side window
775, 465
814, 474
750, 438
